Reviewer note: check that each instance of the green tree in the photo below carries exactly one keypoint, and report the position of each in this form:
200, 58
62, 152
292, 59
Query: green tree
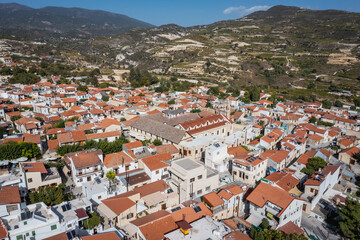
49, 195
357, 157
14, 118
213, 91
13, 150
2, 131
122, 119
312, 120
326, 104
157, 142
264, 223
311, 85
93, 221
29, 150
338, 103
208, 105
82, 88
254, 94
110, 175
313, 165
356, 101
195, 110
62, 150
171, 102
105, 98
350, 219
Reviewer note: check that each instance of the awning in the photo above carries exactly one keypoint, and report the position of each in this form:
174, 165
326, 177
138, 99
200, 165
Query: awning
183, 225
140, 207
106, 212
154, 198
81, 214
254, 220
131, 229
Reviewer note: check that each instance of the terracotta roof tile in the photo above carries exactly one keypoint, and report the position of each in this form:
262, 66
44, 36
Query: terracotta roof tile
213, 199
102, 236
119, 205
9, 195
34, 167
265, 192
157, 161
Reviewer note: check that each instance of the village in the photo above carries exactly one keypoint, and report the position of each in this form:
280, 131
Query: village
135, 163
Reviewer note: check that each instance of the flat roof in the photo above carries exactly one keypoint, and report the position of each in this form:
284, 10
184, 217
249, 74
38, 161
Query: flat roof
203, 228
187, 164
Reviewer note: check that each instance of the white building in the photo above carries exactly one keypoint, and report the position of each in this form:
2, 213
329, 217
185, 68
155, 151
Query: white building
217, 157
191, 179
85, 166
275, 204
37, 222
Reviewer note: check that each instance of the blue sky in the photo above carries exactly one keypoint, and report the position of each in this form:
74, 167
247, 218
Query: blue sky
189, 12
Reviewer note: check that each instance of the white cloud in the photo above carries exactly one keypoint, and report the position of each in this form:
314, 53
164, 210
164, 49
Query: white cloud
242, 10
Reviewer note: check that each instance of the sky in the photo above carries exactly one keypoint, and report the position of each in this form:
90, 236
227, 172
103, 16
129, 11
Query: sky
189, 12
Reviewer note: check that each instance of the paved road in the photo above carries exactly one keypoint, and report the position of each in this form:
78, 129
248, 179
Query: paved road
314, 227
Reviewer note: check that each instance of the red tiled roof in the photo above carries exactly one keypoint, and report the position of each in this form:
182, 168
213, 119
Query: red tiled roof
291, 228
265, 192
213, 199
9, 195
157, 161
132, 145
34, 167
117, 159
102, 236
103, 135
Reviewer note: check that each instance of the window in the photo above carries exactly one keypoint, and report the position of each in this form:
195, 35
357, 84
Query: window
200, 177
19, 237
192, 180
99, 197
25, 222
33, 233
130, 215
53, 227
30, 180
208, 188
165, 169
27, 234
199, 192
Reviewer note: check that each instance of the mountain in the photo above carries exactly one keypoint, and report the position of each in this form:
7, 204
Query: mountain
271, 48
55, 22
283, 47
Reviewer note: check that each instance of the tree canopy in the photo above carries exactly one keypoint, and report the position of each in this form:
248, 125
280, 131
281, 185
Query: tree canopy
49, 195
14, 150
350, 219
157, 142
138, 78
313, 165
106, 147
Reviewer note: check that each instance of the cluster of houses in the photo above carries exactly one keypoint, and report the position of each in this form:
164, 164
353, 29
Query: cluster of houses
200, 167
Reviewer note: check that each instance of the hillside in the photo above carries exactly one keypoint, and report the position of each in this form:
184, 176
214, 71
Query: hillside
54, 22
274, 47
283, 47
